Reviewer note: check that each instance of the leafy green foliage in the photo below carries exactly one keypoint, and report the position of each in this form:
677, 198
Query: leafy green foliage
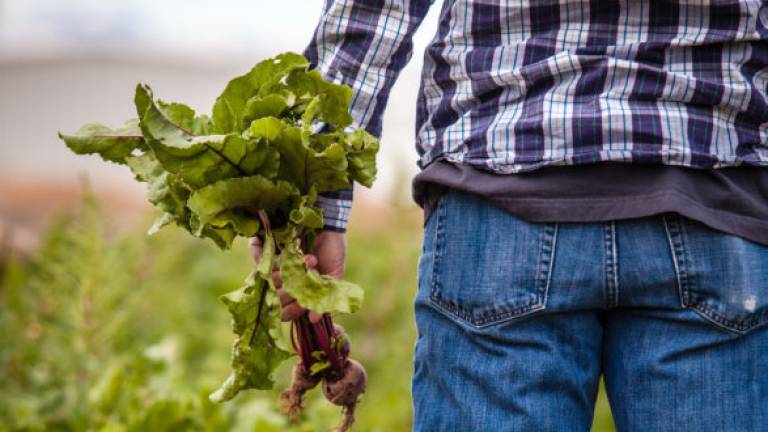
229, 111
153, 339
256, 164
321, 293
257, 352
113, 145
81, 345
361, 153
234, 202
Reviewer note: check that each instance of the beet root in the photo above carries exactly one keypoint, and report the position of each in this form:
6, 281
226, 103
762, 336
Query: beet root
346, 392
338, 330
292, 398
340, 334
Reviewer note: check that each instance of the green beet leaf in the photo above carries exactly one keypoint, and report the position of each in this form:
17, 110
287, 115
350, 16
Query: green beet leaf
197, 159
308, 217
333, 99
235, 202
185, 118
264, 267
221, 236
305, 166
271, 105
321, 293
230, 107
164, 189
267, 129
305, 215
201, 160
361, 156
112, 145
256, 352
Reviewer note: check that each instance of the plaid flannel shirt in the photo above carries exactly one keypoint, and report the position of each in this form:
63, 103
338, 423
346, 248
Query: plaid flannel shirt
512, 86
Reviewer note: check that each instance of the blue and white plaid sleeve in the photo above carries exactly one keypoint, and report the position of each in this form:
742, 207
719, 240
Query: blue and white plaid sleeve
336, 206
363, 44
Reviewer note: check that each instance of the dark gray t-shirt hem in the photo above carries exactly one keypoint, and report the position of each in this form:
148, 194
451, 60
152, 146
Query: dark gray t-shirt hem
733, 200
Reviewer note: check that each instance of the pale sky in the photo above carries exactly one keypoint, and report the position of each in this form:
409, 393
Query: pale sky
184, 27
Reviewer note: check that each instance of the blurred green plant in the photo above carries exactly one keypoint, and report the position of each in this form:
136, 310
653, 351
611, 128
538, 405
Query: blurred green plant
108, 332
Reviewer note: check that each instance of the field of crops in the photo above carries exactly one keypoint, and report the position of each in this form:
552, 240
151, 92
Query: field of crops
124, 332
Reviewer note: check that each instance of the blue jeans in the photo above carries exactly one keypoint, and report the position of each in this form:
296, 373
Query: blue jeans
518, 320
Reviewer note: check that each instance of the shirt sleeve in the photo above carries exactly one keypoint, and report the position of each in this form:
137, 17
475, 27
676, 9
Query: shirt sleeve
363, 44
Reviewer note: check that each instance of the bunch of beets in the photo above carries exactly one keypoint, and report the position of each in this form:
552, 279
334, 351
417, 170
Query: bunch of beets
277, 137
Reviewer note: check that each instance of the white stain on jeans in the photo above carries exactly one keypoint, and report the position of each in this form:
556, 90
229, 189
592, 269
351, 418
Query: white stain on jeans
750, 303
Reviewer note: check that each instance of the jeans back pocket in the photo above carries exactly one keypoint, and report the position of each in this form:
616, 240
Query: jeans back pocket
488, 266
722, 276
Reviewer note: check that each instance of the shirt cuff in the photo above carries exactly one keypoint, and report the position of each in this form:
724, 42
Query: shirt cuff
336, 206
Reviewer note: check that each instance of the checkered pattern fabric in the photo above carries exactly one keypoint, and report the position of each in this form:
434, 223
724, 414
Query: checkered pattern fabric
336, 206
512, 86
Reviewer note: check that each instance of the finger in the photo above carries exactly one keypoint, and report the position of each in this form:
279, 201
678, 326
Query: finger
311, 260
292, 312
290, 308
285, 298
255, 247
255, 241
315, 317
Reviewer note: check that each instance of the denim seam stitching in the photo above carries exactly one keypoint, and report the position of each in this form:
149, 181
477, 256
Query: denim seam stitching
606, 264
738, 327
438, 245
540, 277
553, 246
615, 269
684, 242
454, 311
609, 265
673, 252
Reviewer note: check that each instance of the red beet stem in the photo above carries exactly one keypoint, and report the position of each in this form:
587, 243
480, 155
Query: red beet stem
305, 339
324, 335
317, 337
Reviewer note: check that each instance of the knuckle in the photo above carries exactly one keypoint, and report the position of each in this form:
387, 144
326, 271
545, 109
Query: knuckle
291, 312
